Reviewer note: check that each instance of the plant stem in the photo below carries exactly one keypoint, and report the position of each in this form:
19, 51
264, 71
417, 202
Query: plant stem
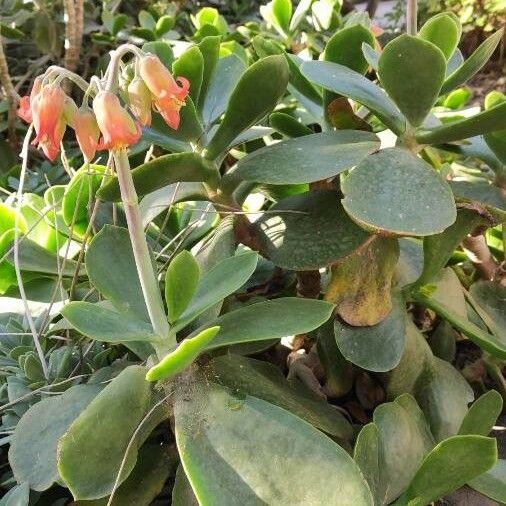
411, 17
147, 276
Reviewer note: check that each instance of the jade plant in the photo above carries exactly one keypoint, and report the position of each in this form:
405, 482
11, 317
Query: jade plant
336, 226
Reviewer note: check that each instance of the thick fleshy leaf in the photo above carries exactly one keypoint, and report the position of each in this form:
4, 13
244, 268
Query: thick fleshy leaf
102, 324
32, 454
79, 196
496, 345
371, 56
449, 466
492, 483
288, 125
437, 249
18, 495
473, 64
483, 414
250, 102
228, 72
111, 268
91, 451
444, 31
154, 465
294, 161
404, 441
362, 282
227, 446
35, 258
223, 279
447, 290
155, 203
366, 455
412, 71
395, 191
210, 49
443, 394
375, 348
182, 493
191, 66
481, 123
479, 191
351, 84
272, 319
287, 232
164, 170
247, 376
489, 299
181, 280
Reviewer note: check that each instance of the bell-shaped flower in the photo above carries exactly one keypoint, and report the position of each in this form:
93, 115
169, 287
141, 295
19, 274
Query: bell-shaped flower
87, 132
139, 98
48, 119
25, 103
118, 128
168, 93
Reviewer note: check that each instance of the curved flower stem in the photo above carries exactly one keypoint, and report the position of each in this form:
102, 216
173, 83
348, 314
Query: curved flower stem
113, 68
411, 17
147, 277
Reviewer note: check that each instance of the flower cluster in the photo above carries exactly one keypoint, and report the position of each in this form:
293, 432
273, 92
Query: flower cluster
50, 110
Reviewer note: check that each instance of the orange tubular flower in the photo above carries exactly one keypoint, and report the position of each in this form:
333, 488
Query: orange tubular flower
139, 98
118, 128
87, 133
168, 95
24, 110
48, 120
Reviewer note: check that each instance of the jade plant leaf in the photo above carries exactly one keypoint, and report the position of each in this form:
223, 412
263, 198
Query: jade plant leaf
191, 66
249, 102
404, 441
288, 125
181, 281
444, 31
473, 64
378, 347
210, 49
154, 465
248, 376
102, 433
38, 431
482, 192
228, 72
182, 493
481, 123
496, 345
164, 170
371, 56
351, 84
362, 282
482, 415
103, 324
111, 268
272, 319
79, 194
345, 47
412, 71
492, 483
366, 455
223, 279
438, 248
227, 444
287, 232
17, 496
294, 161
33, 257
449, 466
489, 300
395, 191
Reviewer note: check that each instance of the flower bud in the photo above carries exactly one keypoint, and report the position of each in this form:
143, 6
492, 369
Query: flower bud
139, 98
87, 132
25, 103
118, 128
168, 94
48, 120
69, 111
